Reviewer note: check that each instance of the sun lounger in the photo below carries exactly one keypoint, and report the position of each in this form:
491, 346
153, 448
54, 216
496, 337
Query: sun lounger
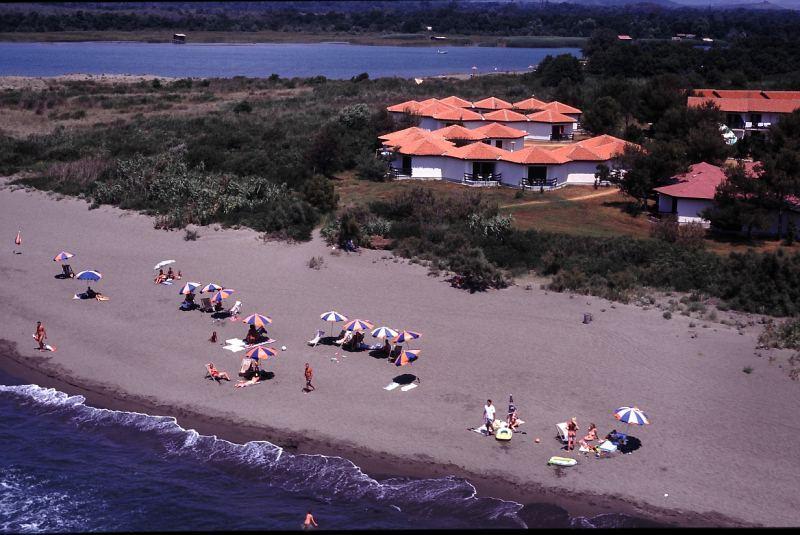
391, 386
215, 374
247, 363
235, 309
205, 305
562, 432
344, 339
409, 387
314, 341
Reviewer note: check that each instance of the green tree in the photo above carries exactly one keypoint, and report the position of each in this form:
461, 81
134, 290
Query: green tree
602, 116
319, 192
739, 202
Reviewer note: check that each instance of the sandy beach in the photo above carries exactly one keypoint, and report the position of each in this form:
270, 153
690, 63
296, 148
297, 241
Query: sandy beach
718, 451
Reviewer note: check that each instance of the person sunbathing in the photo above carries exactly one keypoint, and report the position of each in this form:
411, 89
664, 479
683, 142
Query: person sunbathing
254, 380
160, 277
91, 294
179, 276
591, 436
252, 335
170, 273
215, 373
513, 421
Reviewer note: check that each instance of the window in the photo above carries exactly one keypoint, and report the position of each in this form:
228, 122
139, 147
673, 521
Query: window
537, 174
498, 143
482, 170
734, 120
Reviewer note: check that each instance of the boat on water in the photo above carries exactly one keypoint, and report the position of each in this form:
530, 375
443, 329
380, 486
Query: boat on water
441, 51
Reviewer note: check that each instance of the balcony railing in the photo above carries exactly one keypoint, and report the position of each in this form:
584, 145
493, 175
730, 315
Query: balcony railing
547, 183
397, 172
488, 179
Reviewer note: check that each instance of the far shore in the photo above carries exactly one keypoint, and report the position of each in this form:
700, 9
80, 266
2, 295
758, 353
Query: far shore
703, 461
373, 39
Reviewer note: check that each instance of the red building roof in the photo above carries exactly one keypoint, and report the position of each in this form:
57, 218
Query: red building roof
499, 131
530, 104
560, 107
477, 151
747, 101
536, 155
459, 132
457, 101
550, 116
492, 103
505, 116
457, 114
701, 181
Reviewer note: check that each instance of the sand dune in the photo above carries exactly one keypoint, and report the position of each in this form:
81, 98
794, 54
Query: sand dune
721, 441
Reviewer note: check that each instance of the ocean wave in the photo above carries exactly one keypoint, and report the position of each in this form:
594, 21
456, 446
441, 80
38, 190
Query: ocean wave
326, 478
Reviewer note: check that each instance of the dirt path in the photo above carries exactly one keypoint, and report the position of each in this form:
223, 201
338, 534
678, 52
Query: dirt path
580, 198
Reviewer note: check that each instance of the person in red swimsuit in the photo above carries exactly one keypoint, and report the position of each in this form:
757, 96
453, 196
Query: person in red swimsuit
572, 429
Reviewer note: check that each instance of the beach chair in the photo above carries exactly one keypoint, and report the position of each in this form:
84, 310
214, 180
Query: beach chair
235, 309
562, 432
247, 363
395, 352
68, 273
314, 341
213, 374
205, 305
344, 339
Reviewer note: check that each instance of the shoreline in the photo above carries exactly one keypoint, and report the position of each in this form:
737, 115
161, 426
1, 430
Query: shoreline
37, 370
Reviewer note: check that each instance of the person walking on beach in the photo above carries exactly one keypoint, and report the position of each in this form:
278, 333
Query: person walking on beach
309, 376
40, 335
488, 417
18, 242
572, 429
309, 521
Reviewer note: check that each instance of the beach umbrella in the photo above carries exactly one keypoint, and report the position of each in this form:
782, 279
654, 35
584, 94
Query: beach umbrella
211, 288
222, 294
257, 320
384, 332
189, 288
89, 275
407, 357
261, 352
163, 263
63, 255
332, 317
631, 415
406, 336
357, 325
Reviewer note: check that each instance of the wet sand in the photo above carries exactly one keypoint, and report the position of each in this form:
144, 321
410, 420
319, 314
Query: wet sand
719, 445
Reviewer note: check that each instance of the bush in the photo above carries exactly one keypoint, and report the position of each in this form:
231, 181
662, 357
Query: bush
242, 107
371, 168
667, 315
747, 369
191, 234
316, 262
320, 193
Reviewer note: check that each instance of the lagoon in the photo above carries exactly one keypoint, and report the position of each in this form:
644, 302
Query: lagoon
333, 60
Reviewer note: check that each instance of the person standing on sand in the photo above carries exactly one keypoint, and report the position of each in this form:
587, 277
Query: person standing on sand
488, 416
309, 521
572, 429
40, 335
309, 376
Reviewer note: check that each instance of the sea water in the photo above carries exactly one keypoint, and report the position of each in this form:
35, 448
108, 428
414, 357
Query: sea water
66, 467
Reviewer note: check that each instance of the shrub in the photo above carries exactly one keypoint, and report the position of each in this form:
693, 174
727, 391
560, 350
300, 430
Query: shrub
320, 193
242, 107
349, 229
191, 234
667, 315
371, 168
316, 262
747, 369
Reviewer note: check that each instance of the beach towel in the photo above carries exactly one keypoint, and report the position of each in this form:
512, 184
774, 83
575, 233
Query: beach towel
391, 386
234, 341
233, 348
167, 282
102, 298
409, 387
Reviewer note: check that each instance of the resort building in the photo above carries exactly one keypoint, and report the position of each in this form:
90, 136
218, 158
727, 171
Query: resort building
748, 111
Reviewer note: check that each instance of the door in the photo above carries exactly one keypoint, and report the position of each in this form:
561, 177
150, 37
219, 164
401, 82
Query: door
674, 205
482, 170
498, 143
537, 175
557, 131
406, 165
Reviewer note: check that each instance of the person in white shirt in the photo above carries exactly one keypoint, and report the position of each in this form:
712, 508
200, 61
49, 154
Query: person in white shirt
488, 416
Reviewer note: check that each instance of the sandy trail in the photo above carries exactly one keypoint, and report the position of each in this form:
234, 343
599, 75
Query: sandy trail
572, 199
721, 440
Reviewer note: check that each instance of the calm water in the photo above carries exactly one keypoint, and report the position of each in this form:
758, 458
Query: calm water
287, 60
66, 466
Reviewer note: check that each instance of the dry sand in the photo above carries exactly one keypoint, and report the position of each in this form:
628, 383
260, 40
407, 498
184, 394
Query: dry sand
720, 446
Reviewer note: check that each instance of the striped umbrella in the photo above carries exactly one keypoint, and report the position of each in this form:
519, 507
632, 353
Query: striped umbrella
211, 288
332, 316
89, 275
357, 325
163, 263
257, 320
407, 357
384, 332
261, 352
63, 255
406, 336
222, 294
631, 415
189, 288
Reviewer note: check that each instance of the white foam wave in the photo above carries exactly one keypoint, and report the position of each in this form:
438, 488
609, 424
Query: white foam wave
325, 477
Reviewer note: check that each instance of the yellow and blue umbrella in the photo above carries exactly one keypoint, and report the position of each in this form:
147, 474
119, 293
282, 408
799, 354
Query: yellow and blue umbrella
189, 288
63, 255
407, 357
357, 325
222, 294
89, 275
384, 332
405, 336
211, 288
261, 352
257, 320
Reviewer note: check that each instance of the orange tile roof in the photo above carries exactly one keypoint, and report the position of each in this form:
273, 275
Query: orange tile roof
748, 105
747, 93
430, 110
408, 105
397, 134
505, 115
457, 101
560, 107
536, 155
459, 132
492, 103
429, 145
500, 131
530, 104
477, 151
699, 182
550, 116
596, 149
457, 114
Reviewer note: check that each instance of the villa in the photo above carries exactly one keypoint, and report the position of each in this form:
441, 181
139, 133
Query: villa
748, 111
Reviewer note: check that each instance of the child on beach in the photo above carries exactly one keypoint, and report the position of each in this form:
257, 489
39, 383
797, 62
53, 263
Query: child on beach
309, 373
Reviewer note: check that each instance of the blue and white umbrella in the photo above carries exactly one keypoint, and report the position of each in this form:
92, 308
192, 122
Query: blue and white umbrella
210, 288
384, 332
631, 415
89, 275
332, 316
189, 288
